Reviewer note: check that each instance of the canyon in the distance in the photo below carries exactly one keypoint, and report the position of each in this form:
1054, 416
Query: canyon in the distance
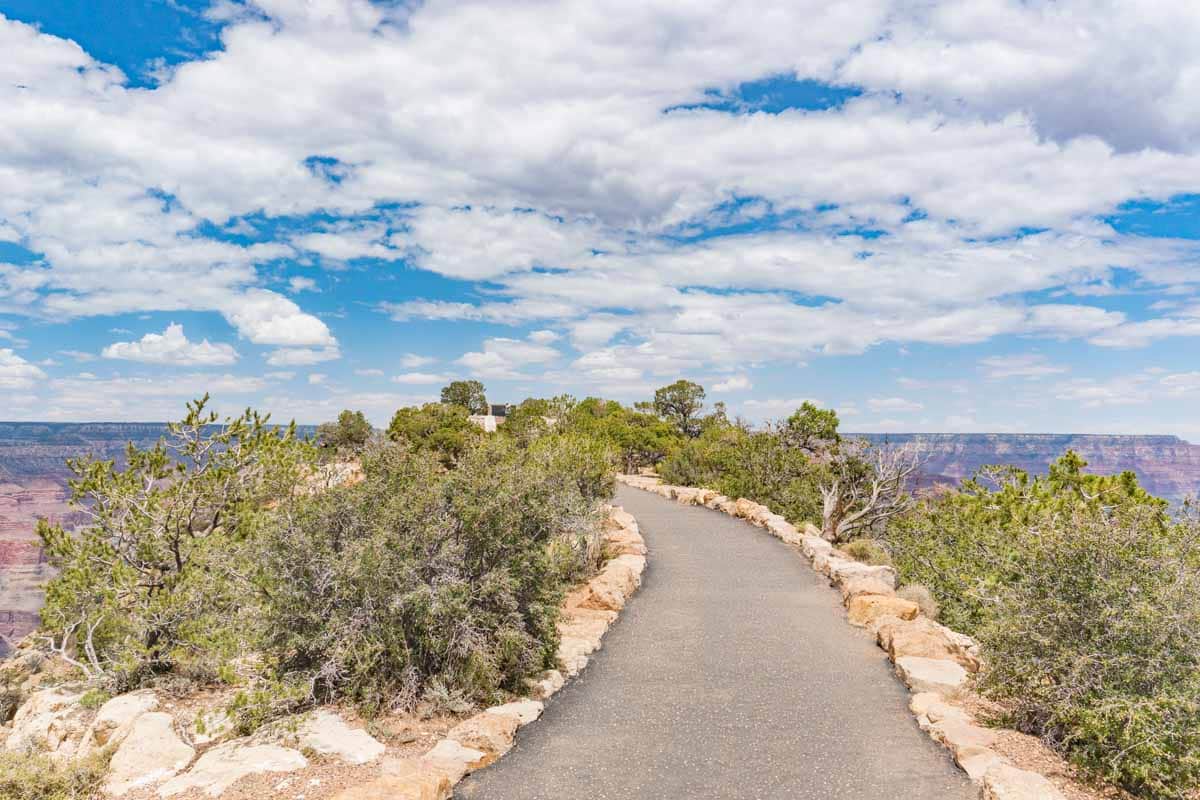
34, 474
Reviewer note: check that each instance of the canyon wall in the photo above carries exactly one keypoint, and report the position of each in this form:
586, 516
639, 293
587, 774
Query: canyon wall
1167, 466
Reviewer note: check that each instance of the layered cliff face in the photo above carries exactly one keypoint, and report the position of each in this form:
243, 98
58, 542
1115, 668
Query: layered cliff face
1166, 466
33, 486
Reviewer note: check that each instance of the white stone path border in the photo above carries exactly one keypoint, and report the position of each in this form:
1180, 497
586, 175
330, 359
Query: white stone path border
479, 740
933, 661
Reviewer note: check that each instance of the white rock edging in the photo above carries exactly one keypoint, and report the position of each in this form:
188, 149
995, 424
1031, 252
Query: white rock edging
933, 661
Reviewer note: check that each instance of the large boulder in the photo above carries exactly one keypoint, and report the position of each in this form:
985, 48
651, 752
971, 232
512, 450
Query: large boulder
864, 609
226, 764
1006, 782
50, 719
115, 719
327, 734
150, 752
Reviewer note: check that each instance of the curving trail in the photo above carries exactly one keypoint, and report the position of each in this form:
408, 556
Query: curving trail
731, 674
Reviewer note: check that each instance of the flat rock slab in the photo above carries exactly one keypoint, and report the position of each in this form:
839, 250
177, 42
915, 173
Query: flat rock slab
731, 674
150, 752
327, 734
939, 675
1005, 782
226, 764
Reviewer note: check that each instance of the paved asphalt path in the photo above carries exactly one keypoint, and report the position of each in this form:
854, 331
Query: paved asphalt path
732, 673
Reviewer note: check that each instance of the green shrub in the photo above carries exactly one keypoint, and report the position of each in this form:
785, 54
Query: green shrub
345, 437
1095, 645
25, 776
868, 552
440, 428
420, 577
155, 581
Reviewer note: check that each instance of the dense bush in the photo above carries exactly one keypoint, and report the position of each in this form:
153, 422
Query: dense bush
421, 580
441, 428
156, 582
1094, 645
345, 437
759, 465
1085, 596
962, 545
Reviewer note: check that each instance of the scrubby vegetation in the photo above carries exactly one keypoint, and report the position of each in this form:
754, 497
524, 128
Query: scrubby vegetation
1085, 596
29, 776
438, 576
219, 556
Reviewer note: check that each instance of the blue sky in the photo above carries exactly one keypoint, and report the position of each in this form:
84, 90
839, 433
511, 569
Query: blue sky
932, 216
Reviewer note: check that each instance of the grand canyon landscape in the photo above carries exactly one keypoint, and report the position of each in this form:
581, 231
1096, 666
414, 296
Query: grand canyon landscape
34, 475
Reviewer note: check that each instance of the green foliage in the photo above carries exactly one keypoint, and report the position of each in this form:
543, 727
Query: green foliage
537, 416
347, 436
1085, 597
680, 404
1094, 644
156, 582
811, 428
759, 465
92, 699
421, 578
466, 394
962, 545
440, 428
867, 551
636, 439
25, 776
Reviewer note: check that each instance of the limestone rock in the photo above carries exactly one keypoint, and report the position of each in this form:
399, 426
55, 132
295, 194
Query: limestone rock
328, 734
225, 764
842, 570
50, 718
863, 609
115, 719
1006, 782
487, 732
424, 784
717, 502
454, 760
811, 545
150, 752
924, 638
612, 587
525, 711
868, 585
938, 675
625, 541
212, 725
546, 685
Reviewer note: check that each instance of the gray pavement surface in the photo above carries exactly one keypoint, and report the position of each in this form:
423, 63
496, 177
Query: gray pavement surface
732, 673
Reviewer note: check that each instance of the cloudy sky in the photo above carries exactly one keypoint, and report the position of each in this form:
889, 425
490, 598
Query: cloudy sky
943, 216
